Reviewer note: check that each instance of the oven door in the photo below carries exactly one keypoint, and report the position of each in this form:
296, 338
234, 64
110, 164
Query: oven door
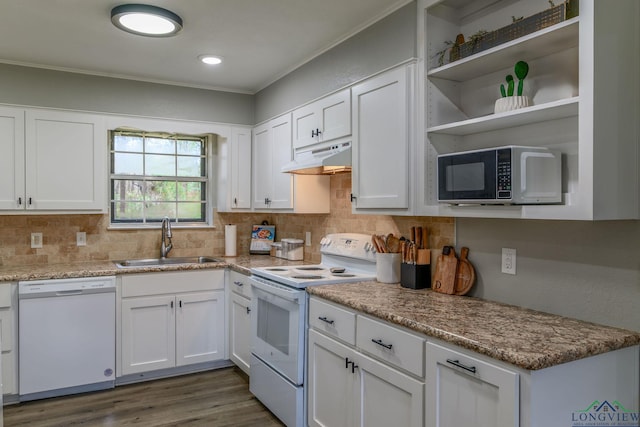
467, 176
277, 327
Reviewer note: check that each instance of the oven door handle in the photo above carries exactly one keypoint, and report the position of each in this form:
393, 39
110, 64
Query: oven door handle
292, 295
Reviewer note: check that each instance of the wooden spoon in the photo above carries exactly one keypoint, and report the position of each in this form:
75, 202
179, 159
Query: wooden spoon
393, 244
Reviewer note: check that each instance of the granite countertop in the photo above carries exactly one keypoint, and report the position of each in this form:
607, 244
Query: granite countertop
526, 338
241, 264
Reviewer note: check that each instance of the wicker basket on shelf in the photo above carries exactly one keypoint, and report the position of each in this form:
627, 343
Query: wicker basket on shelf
522, 27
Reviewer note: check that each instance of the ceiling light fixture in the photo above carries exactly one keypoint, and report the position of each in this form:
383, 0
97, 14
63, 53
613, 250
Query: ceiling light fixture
146, 20
210, 59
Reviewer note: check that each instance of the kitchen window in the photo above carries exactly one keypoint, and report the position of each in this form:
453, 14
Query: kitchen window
154, 175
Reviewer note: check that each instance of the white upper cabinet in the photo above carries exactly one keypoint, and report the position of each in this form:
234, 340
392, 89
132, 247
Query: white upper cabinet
382, 112
273, 189
585, 102
272, 150
12, 193
234, 171
322, 120
56, 161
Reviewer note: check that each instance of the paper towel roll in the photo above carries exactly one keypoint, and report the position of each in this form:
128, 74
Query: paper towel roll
230, 231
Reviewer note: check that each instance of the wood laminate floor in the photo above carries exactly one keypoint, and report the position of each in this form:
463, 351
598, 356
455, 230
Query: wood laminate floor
217, 398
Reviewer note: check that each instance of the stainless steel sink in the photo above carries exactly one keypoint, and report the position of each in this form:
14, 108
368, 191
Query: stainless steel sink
153, 262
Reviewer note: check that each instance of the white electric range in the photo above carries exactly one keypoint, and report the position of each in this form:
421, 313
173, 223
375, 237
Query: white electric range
279, 319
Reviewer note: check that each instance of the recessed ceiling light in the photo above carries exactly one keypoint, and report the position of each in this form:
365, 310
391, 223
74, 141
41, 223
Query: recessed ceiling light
210, 59
146, 20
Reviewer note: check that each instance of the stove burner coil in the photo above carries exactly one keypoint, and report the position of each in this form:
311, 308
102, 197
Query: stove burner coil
308, 277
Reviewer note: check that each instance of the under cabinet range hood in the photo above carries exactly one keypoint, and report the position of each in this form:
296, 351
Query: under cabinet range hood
330, 160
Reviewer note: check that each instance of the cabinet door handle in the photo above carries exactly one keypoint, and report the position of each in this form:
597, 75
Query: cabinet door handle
171, 304
235, 201
380, 343
30, 201
238, 283
248, 310
180, 304
19, 201
353, 198
457, 363
324, 319
348, 362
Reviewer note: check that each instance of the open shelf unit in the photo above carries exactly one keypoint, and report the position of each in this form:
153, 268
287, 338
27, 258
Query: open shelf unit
572, 65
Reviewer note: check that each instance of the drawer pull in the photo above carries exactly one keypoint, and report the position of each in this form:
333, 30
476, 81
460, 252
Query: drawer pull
380, 343
238, 283
325, 320
347, 362
457, 363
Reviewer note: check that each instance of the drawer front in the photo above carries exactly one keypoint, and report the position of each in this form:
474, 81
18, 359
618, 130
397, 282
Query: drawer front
239, 284
332, 320
171, 282
391, 345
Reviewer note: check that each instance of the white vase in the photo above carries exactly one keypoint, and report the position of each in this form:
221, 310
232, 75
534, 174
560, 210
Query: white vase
511, 103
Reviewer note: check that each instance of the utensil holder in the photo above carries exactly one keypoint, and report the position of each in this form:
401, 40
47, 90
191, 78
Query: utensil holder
415, 276
388, 267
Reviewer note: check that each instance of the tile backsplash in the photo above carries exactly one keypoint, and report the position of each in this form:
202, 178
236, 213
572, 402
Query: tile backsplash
59, 233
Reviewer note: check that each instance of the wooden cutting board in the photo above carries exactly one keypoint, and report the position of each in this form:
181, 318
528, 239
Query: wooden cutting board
466, 275
444, 280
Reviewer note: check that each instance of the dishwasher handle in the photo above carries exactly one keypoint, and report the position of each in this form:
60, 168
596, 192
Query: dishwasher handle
65, 287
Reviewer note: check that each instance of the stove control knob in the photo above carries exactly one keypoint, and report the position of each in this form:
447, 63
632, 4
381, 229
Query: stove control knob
327, 242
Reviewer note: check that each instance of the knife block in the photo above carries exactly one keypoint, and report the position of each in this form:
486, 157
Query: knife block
415, 276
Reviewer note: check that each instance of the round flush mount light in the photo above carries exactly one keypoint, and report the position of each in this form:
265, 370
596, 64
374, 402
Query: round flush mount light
146, 20
210, 59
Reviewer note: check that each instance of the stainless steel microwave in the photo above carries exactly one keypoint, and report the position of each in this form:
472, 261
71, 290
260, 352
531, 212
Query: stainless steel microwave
503, 175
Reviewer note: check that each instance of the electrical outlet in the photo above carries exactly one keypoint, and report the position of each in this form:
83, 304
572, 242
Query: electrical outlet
81, 238
508, 261
307, 238
36, 240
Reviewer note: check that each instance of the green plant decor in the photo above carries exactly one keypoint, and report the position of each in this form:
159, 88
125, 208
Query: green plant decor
520, 70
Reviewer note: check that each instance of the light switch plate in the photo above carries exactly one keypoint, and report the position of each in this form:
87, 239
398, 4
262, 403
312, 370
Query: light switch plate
81, 238
36, 240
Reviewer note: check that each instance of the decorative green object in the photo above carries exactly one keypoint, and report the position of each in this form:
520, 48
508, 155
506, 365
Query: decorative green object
510, 84
521, 70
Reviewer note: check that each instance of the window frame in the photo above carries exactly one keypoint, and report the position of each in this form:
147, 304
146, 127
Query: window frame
209, 179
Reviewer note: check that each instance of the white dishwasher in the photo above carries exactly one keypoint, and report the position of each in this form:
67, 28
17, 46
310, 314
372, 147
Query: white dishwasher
66, 336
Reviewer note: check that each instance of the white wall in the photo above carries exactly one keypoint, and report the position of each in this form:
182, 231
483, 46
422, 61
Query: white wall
384, 44
57, 89
585, 270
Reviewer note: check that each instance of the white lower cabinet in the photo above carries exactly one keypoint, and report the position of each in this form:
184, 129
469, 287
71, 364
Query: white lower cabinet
8, 336
352, 386
171, 319
465, 391
239, 331
239, 312
347, 388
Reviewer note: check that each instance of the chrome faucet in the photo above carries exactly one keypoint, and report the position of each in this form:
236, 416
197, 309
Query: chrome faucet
166, 235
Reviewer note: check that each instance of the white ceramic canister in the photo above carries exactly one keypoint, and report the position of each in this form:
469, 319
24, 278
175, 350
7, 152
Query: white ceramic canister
293, 249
